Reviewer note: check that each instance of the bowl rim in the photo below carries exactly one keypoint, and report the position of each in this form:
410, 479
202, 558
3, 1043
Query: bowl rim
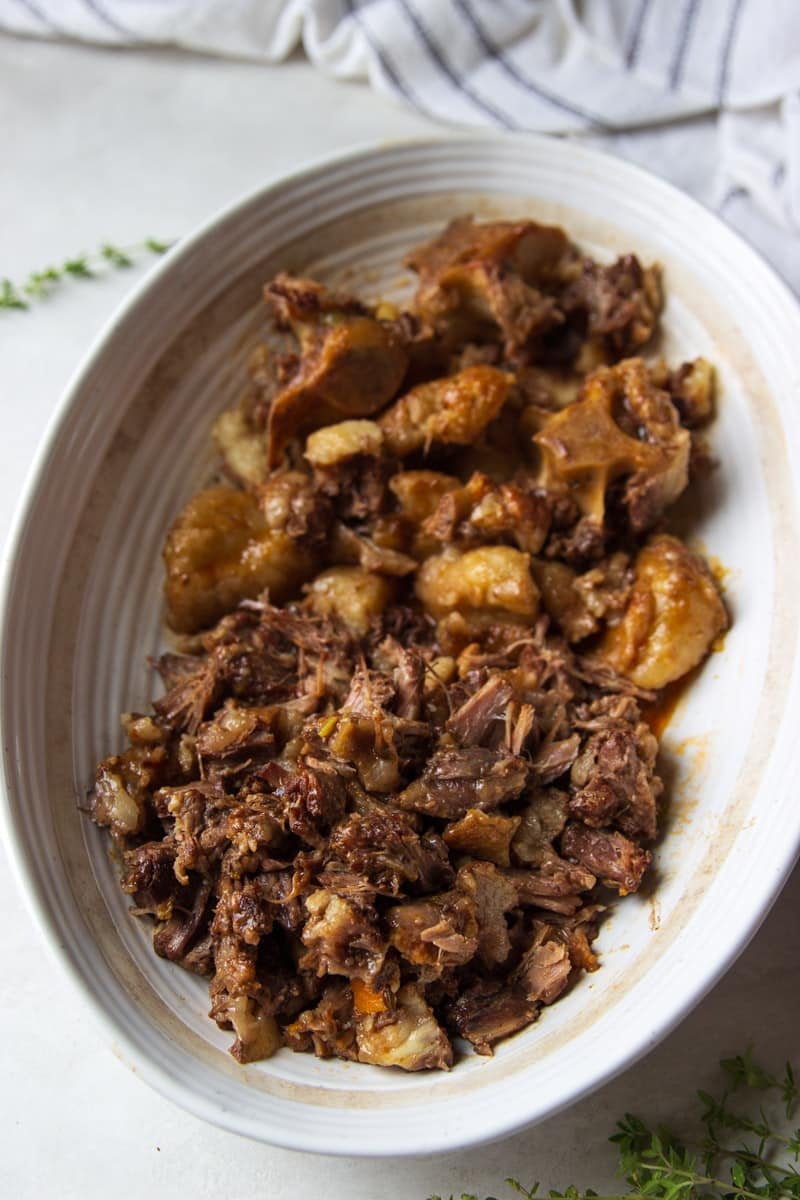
145, 1065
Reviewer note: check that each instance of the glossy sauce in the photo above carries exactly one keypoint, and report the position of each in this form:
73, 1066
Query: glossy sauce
659, 714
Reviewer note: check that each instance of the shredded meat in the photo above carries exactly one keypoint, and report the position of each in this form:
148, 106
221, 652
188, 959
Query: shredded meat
621, 302
406, 744
492, 282
545, 968
617, 860
613, 780
382, 848
484, 512
487, 1012
455, 781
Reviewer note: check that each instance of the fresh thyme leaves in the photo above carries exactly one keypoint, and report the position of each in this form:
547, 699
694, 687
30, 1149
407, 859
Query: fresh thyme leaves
40, 284
656, 1165
157, 247
10, 296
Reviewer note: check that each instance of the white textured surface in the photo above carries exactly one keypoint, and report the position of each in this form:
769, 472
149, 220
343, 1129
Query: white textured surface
62, 1087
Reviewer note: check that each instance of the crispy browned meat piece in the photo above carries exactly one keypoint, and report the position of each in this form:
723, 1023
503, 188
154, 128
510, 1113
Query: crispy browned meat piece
388, 854
691, 389
313, 796
454, 781
487, 1012
484, 512
149, 876
482, 282
483, 835
615, 859
622, 302
403, 748
350, 364
613, 780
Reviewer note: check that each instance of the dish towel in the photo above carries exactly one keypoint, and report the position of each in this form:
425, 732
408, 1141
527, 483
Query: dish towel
704, 92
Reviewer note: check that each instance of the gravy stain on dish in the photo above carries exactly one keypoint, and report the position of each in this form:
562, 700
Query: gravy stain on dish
686, 793
659, 714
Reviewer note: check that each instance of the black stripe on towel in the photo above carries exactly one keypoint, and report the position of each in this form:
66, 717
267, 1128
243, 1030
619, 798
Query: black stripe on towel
110, 22
438, 58
727, 50
494, 52
42, 16
684, 37
386, 64
635, 40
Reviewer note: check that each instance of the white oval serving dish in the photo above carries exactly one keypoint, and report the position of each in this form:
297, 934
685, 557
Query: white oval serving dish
82, 607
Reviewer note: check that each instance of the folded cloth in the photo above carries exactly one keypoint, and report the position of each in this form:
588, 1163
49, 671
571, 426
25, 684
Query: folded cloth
625, 73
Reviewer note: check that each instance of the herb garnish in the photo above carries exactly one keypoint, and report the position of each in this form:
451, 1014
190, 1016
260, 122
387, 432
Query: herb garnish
40, 284
656, 1165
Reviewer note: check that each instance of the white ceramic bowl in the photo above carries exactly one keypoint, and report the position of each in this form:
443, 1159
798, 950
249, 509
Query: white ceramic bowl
81, 611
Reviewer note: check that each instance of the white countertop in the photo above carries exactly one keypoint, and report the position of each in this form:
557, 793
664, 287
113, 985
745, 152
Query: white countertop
117, 146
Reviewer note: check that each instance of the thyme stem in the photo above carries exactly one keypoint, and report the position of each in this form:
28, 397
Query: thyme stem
657, 1166
40, 284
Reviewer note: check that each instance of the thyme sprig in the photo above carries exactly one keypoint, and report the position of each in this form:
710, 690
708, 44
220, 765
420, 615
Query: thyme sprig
657, 1165
40, 284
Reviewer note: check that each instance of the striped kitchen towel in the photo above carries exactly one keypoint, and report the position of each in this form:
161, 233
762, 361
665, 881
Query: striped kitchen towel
642, 76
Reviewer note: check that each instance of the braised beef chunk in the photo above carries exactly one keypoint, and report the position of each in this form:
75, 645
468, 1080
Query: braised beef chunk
437, 933
191, 691
384, 849
483, 835
616, 860
351, 364
483, 512
149, 876
541, 822
341, 938
613, 780
405, 746
488, 1011
545, 969
328, 1029
175, 938
621, 302
557, 879
493, 895
313, 794
492, 282
457, 780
